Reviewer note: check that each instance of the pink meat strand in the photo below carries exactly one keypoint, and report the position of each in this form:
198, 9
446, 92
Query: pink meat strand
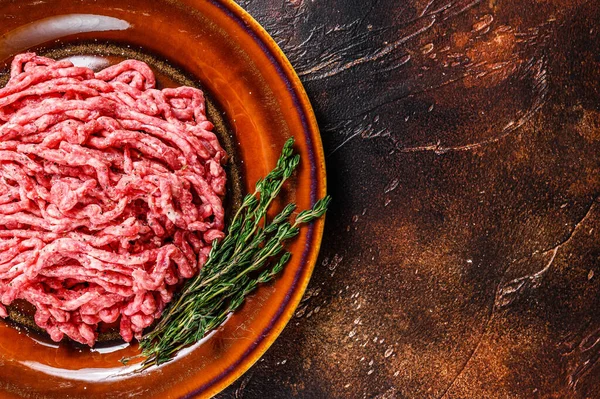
110, 194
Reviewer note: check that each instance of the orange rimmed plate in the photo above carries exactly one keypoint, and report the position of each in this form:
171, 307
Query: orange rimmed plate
256, 101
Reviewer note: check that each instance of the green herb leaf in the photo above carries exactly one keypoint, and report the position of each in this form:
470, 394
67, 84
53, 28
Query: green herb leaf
252, 253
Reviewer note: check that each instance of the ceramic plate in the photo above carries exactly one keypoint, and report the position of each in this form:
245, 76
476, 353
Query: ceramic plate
256, 101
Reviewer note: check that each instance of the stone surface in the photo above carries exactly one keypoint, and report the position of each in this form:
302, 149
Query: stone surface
461, 254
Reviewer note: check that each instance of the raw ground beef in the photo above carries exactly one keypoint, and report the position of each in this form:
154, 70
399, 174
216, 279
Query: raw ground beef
110, 194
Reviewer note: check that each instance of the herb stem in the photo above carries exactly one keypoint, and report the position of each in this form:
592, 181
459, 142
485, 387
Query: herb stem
227, 278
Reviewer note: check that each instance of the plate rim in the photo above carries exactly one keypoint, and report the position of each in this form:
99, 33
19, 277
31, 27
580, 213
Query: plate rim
306, 128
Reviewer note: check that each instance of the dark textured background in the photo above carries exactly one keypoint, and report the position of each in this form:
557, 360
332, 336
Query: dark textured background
461, 253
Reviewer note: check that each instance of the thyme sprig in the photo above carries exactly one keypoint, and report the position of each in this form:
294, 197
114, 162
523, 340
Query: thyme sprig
252, 253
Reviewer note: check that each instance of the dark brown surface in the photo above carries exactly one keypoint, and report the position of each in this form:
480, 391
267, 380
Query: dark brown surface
461, 253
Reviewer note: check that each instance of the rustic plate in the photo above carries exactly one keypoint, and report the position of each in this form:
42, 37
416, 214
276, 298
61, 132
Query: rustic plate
256, 100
